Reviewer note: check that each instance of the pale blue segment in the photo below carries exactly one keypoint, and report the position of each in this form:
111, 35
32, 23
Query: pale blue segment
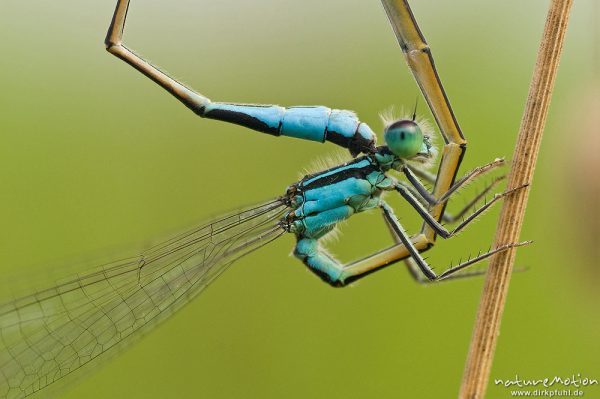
307, 247
270, 115
334, 196
327, 197
343, 122
333, 201
308, 250
305, 122
326, 219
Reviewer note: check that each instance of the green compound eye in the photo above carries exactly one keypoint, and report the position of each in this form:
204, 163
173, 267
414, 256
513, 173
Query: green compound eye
404, 138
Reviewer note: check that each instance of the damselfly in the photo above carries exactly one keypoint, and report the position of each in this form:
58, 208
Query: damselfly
52, 333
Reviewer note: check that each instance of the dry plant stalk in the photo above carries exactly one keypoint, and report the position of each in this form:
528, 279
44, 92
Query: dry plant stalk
487, 325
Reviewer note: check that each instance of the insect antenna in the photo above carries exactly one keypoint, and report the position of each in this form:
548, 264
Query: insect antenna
414, 115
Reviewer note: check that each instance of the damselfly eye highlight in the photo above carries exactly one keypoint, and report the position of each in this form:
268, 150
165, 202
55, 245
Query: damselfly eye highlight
404, 138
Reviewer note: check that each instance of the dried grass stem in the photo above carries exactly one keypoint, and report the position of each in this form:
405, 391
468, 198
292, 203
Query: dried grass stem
487, 325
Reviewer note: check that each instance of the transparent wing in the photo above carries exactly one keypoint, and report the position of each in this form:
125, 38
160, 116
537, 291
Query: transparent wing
49, 334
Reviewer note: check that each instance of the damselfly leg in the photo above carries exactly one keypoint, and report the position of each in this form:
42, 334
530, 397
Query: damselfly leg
401, 236
463, 181
451, 218
428, 177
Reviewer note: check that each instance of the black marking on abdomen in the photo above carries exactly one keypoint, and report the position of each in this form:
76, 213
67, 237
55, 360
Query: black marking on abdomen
243, 119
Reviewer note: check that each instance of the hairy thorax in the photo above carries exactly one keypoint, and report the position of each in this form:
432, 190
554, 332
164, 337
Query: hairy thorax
322, 200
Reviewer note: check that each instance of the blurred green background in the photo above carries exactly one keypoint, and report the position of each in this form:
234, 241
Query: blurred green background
95, 159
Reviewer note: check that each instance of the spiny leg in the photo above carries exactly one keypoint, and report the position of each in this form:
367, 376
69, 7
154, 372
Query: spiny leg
453, 217
469, 177
411, 176
411, 264
435, 225
424, 174
415, 271
401, 235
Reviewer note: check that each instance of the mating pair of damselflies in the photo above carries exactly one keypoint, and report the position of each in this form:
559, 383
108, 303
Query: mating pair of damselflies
54, 332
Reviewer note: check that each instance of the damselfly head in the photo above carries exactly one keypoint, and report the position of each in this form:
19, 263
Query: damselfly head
406, 140
410, 137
